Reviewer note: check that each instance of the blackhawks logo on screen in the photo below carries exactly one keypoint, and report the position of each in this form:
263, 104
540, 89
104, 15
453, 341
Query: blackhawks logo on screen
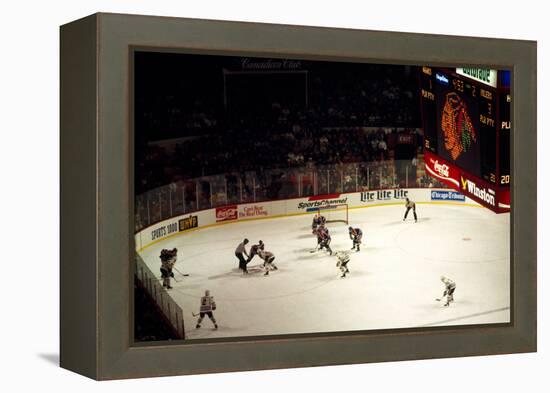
458, 130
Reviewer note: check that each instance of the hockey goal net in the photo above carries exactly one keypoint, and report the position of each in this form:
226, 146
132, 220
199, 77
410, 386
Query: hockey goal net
334, 213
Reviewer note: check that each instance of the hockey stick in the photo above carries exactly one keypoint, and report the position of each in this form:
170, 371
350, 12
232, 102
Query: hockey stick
195, 315
441, 298
183, 274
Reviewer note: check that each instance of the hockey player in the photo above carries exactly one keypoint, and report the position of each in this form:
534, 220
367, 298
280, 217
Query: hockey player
207, 306
410, 205
239, 252
355, 234
268, 258
318, 220
168, 260
343, 260
323, 238
450, 287
255, 249
317, 232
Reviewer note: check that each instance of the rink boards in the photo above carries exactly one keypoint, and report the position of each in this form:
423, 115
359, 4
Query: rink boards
291, 207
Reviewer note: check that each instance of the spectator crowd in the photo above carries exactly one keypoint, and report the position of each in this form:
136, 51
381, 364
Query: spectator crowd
360, 122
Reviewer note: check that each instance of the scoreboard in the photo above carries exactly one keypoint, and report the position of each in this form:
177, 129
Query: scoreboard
466, 122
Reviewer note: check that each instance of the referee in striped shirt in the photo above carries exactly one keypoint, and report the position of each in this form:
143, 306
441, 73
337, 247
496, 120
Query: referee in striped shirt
240, 251
410, 205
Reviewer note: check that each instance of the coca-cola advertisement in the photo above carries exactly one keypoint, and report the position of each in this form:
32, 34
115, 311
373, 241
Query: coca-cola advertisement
226, 213
467, 184
442, 170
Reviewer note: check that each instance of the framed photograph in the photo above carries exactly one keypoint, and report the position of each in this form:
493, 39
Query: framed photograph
241, 196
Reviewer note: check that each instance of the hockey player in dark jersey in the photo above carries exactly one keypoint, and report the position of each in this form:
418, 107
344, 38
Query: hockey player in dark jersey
168, 260
355, 234
323, 238
410, 205
268, 258
255, 249
317, 232
318, 220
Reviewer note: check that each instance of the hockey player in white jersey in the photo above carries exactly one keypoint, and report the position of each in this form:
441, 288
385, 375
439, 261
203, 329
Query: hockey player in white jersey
343, 260
268, 258
450, 287
208, 305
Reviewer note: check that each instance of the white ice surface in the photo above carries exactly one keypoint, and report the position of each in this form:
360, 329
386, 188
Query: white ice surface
393, 283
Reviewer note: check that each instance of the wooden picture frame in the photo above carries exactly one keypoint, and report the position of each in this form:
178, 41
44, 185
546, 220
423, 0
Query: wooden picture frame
97, 201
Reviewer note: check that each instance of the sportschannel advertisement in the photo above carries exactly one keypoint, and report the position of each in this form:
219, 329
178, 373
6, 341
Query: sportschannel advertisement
315, 202
471, 186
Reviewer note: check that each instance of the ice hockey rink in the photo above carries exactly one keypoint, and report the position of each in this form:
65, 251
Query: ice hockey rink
393, 281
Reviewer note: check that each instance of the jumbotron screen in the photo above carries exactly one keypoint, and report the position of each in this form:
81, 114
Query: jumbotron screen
466, 124
460, 123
